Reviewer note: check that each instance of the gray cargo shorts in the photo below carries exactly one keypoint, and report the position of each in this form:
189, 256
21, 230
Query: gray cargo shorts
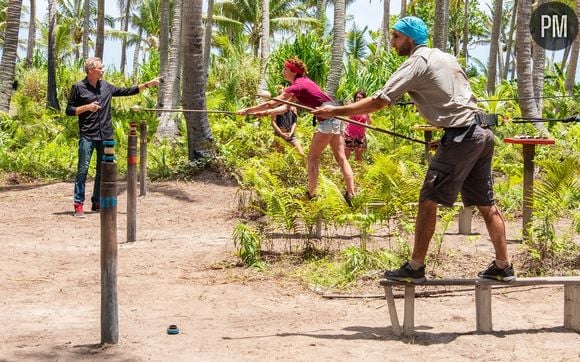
463, 166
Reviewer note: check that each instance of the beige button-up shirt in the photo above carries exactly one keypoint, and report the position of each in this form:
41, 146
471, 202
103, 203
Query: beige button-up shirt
437, 85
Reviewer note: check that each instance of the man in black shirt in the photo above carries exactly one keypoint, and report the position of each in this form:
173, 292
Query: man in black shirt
90, 100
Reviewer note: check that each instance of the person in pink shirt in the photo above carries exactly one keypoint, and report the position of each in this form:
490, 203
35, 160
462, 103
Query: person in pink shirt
355, 135
329, 131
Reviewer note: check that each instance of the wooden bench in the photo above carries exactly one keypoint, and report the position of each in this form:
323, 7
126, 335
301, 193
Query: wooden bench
483, 289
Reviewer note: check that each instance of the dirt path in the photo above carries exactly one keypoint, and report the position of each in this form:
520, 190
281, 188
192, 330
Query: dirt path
50, 294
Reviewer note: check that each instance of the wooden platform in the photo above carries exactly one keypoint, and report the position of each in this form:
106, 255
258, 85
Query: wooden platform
483, 289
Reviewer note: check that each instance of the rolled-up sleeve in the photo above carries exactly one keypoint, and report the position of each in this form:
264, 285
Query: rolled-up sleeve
71, 106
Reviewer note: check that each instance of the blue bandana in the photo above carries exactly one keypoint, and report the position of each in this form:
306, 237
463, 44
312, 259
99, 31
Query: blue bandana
414, 28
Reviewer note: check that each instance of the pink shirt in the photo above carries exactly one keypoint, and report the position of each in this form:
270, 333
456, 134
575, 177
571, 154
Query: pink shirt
354, 130
307, 92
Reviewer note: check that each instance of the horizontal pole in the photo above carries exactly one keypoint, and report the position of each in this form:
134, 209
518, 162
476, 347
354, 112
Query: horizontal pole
139, 109
344, 119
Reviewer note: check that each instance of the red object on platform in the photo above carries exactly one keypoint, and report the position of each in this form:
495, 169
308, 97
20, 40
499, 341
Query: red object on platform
529, 141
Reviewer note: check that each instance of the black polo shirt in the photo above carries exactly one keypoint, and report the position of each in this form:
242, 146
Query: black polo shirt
96, 126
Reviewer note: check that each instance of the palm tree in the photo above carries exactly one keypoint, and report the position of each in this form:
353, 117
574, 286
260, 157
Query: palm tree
51, 88
237, 16
494, 46
163, 40
31, 33
441, 24
338, 36
170, 93
199, 136
386, 24
100, 41
571, 71
86, 27
509, 41
8, 63
207, 35
125, 8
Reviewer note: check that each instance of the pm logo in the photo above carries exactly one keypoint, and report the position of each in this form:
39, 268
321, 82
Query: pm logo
554, 26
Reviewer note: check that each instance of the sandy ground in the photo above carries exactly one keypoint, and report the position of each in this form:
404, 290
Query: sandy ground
50, 293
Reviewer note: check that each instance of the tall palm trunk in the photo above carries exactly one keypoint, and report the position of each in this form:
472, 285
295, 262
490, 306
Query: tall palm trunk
51, 89
571, 71
199, 135
8, 63
126, 20
524, 61
207, 37
494, 46
136, 54
264, 44
86, 28
441, 25
321, 9
386, 24
163, 45
31, 33
539, 64
170, 93
509, 44
403, 8
465, 31
100, 42
338, 37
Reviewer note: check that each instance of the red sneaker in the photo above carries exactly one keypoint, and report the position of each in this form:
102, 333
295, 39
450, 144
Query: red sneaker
79, 212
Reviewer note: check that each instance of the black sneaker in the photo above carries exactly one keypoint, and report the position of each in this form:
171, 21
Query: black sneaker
407, 274
496, 273
348, 199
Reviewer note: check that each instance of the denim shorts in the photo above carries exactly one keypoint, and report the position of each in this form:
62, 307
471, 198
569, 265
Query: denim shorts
464, 167
330, 126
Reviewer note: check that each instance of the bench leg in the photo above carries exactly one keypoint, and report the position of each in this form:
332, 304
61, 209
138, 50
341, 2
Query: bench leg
464, 220
392, 310
483, 308
409, 321
572, 307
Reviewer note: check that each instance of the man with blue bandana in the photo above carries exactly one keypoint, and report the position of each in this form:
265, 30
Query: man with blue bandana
440, 90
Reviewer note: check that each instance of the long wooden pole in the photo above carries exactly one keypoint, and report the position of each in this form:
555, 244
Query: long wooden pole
344, 119
108, 203
132, 184
143, 158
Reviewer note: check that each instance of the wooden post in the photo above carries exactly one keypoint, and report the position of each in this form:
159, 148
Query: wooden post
409, 319
483, 307
572, 307
465, 215
143, 159
392, 310
108, 201
132, 184
528, 202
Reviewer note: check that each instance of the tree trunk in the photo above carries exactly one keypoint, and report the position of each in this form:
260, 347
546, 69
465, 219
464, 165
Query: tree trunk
168, 126
494, 46
127, 20
321, 9
524, 61
465, 32
441, 26
207, 37
338, 37
31, 33
571, 71
539, 64
100, 42
403, 8
386, 24
163, 46
136, 55
264, 44
86, 28
51, 88
199, 137
509, 44
8, 63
